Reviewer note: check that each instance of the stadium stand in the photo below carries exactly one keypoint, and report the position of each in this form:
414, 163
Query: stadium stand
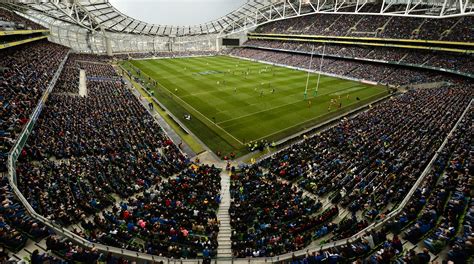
101, 166
68, 81
356, 173
176, 218
381, 73
15, 225
445, 193
124, 164
390, 27
11, 21
126, 161
270, 217
26, 72
453, 61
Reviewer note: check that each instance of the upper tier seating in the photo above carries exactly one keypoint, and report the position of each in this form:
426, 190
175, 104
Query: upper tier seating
363, 25
17, 22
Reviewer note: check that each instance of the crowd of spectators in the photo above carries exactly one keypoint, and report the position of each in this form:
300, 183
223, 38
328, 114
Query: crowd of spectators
269, 217
98, 71
85, 152
319, 24
451, 200
370, 25
444, 198
402, 27
68, 81
459, 62
435, 28
89, 57
61, 251
376, 72
463, 30
140, 55
361, 175
100, 144
360, 25
175, 218
25, 72
15, 224
9, 20
185, 53
365, 181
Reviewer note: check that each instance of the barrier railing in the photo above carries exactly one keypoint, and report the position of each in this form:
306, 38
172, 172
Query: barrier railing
22, 32
19, 42
133, 255
416, 41
461, 51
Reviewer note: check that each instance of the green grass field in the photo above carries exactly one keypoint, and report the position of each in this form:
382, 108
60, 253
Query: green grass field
229, 107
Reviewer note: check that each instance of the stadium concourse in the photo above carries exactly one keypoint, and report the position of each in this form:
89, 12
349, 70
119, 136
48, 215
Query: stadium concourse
96, 169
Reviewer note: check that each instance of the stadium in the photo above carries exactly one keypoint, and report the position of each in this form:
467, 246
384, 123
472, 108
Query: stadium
281, 131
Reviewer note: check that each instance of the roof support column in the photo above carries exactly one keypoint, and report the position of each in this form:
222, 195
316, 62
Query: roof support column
108, 46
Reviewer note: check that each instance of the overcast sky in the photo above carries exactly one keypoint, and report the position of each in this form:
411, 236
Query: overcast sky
176, 12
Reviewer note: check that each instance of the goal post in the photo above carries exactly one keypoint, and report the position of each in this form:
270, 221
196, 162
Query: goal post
320, 69
309, 71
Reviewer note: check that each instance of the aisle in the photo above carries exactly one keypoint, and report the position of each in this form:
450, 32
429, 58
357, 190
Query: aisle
225, 245
82, 83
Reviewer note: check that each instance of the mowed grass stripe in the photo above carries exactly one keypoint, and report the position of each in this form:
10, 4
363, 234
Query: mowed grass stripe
235, 142
219, 99
190, 105
288, 104
294, 114
245, 114
219, 96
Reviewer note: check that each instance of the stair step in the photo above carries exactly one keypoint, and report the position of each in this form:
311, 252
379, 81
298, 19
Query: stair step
225, 256
224, 251
224, 244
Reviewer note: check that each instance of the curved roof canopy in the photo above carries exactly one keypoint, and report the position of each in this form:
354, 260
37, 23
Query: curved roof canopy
101, 15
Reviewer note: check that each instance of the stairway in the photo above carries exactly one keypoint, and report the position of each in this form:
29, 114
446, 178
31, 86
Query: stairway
225, 244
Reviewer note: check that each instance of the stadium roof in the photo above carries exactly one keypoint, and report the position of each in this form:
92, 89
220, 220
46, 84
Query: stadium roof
101, 15
96, 26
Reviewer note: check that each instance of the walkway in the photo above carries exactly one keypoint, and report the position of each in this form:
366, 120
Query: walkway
82, 83
225, 244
